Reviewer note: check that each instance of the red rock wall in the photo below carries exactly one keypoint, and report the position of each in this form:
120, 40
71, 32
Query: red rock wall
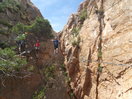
105, 45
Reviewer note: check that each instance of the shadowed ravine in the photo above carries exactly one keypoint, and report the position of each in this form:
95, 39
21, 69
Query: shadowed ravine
25, 86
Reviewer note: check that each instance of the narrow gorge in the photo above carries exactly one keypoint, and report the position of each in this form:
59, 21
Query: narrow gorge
94, 59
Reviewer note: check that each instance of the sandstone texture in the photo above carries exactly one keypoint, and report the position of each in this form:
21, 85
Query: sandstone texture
99, 58
19, 88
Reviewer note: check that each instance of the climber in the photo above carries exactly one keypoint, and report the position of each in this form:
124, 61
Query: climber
56, 44
37, 46
20, 40
21, 45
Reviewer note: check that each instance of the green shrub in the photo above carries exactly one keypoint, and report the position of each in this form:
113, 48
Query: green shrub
100, 68
9, 4
75, 31
71, 95
49, 72
21, 37
83, 15
19, 28
99, 11
40, 94
3, 44
9, 61
63, 68
3, 31
6, 23
99, 53
31, 68
76, 41
40, 27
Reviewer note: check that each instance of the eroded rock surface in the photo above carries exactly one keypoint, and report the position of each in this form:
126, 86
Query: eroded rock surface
104, 56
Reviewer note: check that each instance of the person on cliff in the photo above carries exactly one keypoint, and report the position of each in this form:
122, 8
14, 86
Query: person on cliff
20, 40
37, 46
56, 45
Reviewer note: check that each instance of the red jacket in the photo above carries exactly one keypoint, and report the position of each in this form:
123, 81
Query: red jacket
37, 44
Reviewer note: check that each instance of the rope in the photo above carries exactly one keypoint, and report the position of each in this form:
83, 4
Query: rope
108, 63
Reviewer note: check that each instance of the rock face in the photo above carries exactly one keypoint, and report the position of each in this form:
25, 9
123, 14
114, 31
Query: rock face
11, 13
16, 11
19, 88
21, 11
98, 55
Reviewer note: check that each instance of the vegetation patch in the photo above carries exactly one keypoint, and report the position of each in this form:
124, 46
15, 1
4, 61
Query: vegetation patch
99, 11
9, 4
40, 27
3, 31
68, 80
75, 41
6, 23
99, 53
83, 15
31, 68
75, 31
49, 72
100, 68
40, 94
9, 61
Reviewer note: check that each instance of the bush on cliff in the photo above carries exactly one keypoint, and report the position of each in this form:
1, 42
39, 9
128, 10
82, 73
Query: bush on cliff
9, 61
9, 4
5, 23
83, 15
40, 27
75, 31
76, 41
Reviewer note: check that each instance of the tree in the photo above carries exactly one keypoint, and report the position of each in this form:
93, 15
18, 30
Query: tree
9, 61
41, 27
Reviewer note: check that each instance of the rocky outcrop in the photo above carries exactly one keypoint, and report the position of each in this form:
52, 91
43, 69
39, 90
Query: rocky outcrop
23, 84
21, 11
19, 87
101, 66
13, 12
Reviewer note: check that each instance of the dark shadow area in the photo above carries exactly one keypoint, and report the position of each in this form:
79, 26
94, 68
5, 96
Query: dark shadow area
88, 82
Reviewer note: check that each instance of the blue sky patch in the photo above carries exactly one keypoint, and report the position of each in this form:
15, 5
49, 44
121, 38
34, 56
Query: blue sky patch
57, 11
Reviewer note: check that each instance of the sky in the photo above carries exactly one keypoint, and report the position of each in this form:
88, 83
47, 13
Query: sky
57, 11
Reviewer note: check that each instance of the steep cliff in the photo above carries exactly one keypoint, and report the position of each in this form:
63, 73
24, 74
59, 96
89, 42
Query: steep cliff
97, 44
22, 84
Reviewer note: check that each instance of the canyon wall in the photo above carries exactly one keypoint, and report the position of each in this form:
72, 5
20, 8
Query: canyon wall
97, 45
